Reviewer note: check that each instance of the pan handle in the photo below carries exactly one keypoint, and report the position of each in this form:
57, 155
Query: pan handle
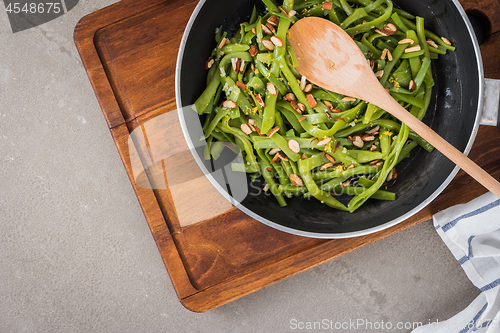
491, 104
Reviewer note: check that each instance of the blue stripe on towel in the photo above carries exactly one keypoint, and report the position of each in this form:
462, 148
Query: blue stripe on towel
491, 285
474, 320
483, 209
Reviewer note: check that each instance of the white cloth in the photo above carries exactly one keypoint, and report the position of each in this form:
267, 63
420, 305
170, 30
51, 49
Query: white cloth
472, 233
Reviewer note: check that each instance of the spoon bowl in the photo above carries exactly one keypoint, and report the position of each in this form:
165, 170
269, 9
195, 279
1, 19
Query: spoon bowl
328, 57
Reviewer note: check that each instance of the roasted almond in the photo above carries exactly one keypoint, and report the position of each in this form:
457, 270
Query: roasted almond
348, 99
413, 49
289, 97
368, 137
275, 158
389, 56
241, 85
229, 104
282, 156
259, 100
411, 85
373, 148
302, 118
384, 54
302, 82
271, 88
266, 29
308, 88
242, 66
325, 166
294, 146
357, 141
235, 62
311, 100
379, 74
373, 130
274, 130
390, 28
246, 129
296, 180
274, 151
302, 107
292, 13
350, 167
222, 42
382, 32
446, 40
374, 162
432, 43
392, 175
406, 41
277, 41
330, 158
273, 20
295, 106
325, 141
327, 5
270, 27
209, 63
268, 44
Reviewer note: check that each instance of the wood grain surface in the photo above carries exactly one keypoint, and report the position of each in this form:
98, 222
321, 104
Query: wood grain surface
212, 251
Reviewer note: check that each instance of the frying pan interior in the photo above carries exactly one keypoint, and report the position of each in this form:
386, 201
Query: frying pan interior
452, 114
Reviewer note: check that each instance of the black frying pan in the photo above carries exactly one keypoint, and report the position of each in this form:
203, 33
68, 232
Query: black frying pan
454, 114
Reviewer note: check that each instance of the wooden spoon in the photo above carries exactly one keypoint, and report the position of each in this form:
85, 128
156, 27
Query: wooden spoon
328, 57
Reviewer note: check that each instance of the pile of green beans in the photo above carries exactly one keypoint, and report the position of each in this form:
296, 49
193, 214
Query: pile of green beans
302, 139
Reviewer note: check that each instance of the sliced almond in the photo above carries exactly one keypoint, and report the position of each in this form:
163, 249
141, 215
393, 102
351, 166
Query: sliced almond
328, 116
277, 41
251, 121
373, 148
209, 63
325, 166
252, 67
432, 43
389, 55
271, 88
241, 85
390, 28
413, 49
292, 13
268, 44
384, 54
222, 42
229, 104
295, 106
246, 129
327, 5
346, 183
392, 175
242, 66
304, 156
411, 85
374, 162
289, 97
274, 151
273, 20
357, 141
446, 40
406, 41
302, 82
296, 180
350, 167
254, 31
373, 130
274, 130
266, 188
282, 156
270, 27
275, 158
330, 158
311, 100
235, 62
324, 142
259, 100
302, 118
382, 32
379, 74
302, 107
308, 88
266, 29
348, 99
294, 146
337, 146
368, 137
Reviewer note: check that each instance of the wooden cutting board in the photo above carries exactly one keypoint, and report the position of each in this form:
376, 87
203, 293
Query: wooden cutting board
213, 252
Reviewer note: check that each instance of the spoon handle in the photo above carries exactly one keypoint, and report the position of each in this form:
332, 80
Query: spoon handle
440, 144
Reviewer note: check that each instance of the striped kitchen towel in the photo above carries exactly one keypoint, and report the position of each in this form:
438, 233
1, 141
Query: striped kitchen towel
472, 233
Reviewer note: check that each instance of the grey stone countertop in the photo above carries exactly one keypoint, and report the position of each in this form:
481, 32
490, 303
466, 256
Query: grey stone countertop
76, 254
